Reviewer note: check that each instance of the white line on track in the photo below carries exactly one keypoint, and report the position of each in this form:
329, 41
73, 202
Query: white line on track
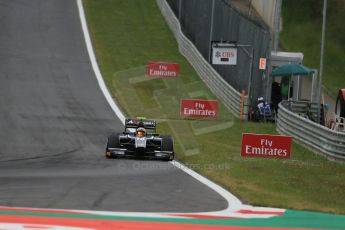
94, 64
234, 204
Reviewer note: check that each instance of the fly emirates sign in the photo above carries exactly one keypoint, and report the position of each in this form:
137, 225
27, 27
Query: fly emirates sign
199, 108
259, 145
162, 69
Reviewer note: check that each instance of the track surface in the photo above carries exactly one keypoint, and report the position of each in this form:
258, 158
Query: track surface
54, 121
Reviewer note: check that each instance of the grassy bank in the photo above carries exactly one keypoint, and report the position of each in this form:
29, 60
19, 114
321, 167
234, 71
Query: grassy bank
126, 35
302, 24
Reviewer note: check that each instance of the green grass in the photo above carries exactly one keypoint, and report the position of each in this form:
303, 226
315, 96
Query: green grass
302, 24
126, 35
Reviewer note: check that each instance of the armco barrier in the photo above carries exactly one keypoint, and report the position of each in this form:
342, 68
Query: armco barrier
230, 97
305, 108
317, 137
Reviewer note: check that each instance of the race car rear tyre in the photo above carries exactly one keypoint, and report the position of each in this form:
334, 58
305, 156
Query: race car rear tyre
168, 145
113, 142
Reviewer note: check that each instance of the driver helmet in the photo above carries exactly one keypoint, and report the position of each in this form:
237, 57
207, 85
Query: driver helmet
140, 132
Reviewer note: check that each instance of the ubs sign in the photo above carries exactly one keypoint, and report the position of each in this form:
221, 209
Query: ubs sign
224, 54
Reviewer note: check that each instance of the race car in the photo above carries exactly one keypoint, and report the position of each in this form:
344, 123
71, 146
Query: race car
140, 140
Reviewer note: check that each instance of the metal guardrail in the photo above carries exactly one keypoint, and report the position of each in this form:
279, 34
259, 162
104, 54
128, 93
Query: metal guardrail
230, 96
305, 108
317, 137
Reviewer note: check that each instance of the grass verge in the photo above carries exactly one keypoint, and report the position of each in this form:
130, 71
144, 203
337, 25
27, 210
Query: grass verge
126, 35
302, 24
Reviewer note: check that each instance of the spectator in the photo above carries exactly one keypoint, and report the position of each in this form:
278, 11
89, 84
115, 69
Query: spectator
276, 96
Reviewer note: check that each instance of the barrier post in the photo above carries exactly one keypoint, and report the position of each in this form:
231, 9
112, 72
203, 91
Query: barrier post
242, 104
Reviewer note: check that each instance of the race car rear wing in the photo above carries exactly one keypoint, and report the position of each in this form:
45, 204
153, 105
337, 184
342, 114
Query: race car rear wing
137, 122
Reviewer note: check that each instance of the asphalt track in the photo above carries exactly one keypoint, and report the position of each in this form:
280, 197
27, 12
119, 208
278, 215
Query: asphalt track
54, 121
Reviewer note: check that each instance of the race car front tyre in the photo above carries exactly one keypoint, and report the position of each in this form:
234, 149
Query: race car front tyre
168, 145
113, 142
